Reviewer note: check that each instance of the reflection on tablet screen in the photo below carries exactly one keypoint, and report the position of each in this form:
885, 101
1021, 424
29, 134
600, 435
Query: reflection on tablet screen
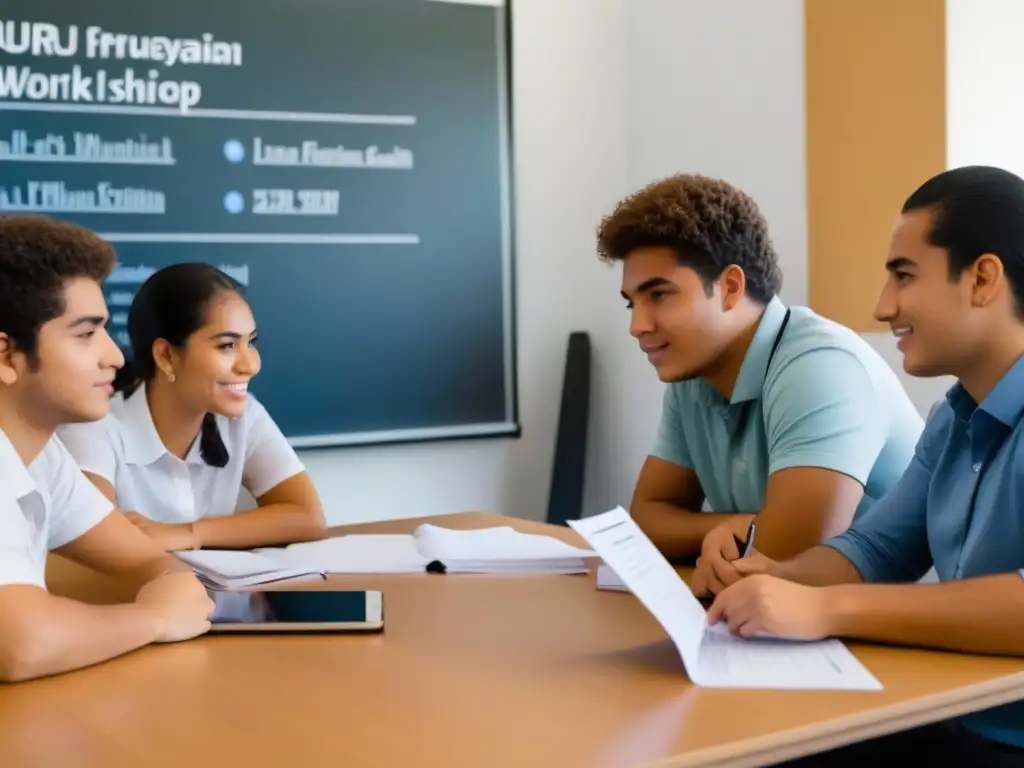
234, 607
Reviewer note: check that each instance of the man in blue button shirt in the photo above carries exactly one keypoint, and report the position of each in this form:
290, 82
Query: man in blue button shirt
769, 411
955, 299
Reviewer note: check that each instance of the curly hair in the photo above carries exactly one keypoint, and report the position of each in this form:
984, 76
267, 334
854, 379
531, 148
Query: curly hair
707, 222
38, 255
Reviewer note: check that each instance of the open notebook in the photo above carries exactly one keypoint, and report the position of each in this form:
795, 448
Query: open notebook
429, 548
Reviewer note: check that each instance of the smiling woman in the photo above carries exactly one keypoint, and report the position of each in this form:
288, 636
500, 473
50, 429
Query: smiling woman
184, 435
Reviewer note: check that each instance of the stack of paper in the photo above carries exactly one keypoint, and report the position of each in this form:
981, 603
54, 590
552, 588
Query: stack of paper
429, 548
711, 656
609, 579
357, 553
499, 550
231, 569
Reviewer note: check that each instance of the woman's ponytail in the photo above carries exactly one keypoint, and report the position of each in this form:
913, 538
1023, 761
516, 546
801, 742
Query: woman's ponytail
211, 445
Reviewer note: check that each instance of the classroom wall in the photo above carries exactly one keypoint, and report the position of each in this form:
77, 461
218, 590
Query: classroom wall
932, 95
570, 163
984, 113
609, 95
722, 88
715, 88
876, 128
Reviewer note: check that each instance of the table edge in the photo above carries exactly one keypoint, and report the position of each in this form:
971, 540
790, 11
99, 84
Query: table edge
848, 729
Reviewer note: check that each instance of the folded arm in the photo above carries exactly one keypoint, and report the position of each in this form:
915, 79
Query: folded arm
666, 506
803, 506
289, 509
41, 634
45, 634
289, 512
115, 547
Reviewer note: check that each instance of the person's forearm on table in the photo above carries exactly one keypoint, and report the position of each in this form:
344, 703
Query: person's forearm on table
678, 533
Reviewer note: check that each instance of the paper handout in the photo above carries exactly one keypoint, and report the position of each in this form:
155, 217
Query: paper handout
713, 657
357, 553
609, 579
500, 549
233, 569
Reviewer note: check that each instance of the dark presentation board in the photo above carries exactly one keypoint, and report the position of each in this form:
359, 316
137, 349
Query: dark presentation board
346, 160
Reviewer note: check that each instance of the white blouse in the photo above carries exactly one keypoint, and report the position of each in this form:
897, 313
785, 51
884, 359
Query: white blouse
125, 449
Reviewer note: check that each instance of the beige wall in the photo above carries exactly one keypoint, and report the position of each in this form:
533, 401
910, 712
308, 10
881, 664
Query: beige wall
876, 128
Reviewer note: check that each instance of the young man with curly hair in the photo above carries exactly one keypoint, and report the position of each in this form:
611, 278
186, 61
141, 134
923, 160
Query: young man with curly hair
769, 412
57, 365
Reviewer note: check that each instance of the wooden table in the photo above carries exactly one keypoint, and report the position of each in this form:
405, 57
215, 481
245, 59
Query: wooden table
471, 671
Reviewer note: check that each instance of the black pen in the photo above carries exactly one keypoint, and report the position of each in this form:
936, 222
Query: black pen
750, 540
745, 547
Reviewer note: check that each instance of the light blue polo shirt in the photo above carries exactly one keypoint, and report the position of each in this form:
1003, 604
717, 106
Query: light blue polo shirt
959, 507
827, 400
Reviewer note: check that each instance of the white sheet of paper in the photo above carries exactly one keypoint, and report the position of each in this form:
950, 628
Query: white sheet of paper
609, 579
712, 657
501, 549
727, 661
357, 553
234, 569
496, 543
231, 564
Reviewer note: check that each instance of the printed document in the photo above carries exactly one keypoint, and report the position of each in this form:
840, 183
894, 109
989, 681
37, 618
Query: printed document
500, 549
713, 657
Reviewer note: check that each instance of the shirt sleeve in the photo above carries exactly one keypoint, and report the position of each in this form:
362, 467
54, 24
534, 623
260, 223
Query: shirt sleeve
889, 542
92, 446
670, 441
269, 459
78, 505
16, 564
822, 410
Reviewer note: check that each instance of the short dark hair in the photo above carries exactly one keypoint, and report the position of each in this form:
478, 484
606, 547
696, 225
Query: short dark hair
38, 256
172, 304
707, 222
976, 209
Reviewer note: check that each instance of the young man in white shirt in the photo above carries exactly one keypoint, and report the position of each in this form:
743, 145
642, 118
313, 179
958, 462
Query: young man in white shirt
57, 364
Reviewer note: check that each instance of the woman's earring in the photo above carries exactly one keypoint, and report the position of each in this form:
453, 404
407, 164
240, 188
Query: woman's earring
170, 377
